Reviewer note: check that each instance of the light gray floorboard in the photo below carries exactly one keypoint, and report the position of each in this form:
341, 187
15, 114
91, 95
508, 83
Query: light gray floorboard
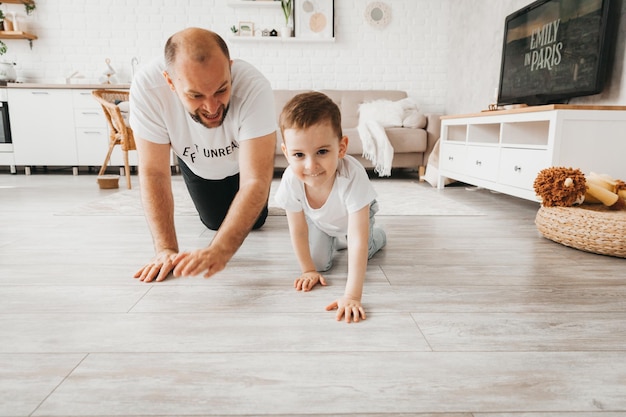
468, 316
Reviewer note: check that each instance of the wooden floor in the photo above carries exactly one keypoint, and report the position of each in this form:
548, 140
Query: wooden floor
467, 316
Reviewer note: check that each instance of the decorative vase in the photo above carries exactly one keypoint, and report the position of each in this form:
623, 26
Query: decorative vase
285, 32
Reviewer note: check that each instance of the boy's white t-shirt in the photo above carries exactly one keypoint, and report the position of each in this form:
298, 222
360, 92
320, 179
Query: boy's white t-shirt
351, 192
157, 115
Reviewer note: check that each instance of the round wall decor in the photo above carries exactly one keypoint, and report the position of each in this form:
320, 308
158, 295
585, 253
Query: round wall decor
378, 14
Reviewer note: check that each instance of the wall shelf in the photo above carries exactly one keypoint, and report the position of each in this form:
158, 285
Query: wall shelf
278, 39
18, 1
268, 4
16, 35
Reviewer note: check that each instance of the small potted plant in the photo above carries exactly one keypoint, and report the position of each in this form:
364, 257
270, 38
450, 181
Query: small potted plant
287, 6
29, 7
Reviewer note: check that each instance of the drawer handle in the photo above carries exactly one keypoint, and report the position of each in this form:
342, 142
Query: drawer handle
451, 158
92, 132
40, 93
517, 168
95, 113
478, 163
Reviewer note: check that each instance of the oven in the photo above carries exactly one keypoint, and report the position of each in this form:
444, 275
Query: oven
6, 143
5, 127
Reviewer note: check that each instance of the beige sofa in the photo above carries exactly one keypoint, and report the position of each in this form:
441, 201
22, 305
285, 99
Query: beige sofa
412, 146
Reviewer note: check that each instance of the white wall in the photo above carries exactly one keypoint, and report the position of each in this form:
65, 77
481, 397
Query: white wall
408, 55
444, 53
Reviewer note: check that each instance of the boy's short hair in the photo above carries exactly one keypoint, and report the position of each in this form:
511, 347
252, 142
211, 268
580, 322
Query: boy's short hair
307, 109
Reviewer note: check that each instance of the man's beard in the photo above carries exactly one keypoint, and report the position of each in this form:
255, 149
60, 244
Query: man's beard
196, 118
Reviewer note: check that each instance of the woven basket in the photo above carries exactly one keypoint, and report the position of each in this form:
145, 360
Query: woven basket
592, 228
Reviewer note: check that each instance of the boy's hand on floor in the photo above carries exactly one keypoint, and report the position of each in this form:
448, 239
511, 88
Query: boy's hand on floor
347, 308
308, 280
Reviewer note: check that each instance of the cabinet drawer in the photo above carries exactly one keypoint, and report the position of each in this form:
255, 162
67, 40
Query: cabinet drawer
519, 167
84, 99
452, 157
482, 162
86, 117
92, 145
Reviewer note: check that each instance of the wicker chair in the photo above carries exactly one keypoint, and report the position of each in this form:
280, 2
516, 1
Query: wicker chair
119, 132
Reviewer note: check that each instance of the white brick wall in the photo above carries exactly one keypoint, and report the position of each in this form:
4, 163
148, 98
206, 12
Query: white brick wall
444, 53
79, 35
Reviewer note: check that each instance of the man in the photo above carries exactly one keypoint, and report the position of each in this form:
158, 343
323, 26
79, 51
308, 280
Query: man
218, 117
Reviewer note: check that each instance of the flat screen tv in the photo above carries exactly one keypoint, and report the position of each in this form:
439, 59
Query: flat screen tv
555, 50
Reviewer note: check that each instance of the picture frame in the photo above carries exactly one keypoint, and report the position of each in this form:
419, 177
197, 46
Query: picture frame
246, 28
314, 19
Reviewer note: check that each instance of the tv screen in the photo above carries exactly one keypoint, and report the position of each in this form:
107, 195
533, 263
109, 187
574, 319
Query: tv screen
555, 50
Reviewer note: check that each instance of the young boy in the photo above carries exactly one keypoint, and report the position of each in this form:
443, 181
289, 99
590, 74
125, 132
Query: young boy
327, 196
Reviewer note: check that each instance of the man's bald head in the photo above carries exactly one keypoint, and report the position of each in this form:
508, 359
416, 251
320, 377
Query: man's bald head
195, 44
198, 70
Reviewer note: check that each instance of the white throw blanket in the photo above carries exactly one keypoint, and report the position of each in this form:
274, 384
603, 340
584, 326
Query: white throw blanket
374, 117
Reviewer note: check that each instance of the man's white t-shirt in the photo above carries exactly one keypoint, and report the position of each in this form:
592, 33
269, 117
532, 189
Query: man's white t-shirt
351, 192
157, 115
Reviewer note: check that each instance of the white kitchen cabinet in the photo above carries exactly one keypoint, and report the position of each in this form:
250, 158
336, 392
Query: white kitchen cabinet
42, 127
92, 133
92, 136
505, 150
60, 127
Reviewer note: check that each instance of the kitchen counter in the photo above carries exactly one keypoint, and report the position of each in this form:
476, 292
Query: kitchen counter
70, 86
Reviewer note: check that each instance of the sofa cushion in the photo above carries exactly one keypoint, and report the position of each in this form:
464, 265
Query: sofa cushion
350, 100
405, 140
386, 112
415, 120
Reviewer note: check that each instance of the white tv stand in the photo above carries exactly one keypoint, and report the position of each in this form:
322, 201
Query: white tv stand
504, 150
